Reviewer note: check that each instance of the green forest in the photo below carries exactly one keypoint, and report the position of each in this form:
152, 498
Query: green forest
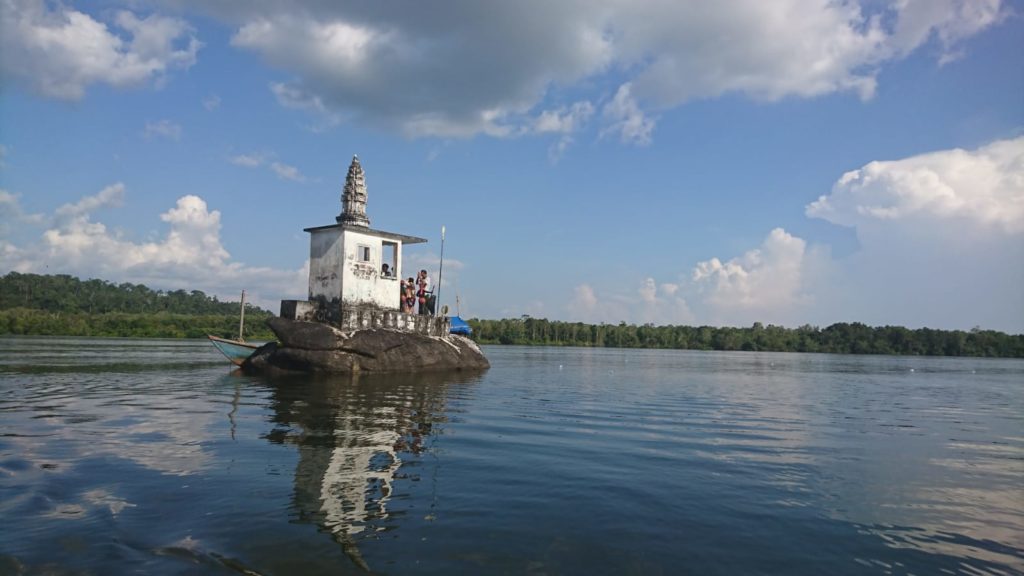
62, 305
842, 338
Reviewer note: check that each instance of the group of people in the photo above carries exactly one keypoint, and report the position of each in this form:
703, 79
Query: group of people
417, 292
416, 295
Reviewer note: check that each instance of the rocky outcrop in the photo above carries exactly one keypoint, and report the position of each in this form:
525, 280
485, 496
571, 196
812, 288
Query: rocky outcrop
316, 347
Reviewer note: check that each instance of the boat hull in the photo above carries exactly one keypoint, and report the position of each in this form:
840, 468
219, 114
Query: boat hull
233, 350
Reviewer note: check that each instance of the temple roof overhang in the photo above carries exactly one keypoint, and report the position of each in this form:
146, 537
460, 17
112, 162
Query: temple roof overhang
371, 232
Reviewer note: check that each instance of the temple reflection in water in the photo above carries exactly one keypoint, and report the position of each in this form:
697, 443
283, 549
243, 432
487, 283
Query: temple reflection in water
353, 435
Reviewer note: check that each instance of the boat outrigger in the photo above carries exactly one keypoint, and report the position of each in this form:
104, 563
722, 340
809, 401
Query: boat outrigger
235, 350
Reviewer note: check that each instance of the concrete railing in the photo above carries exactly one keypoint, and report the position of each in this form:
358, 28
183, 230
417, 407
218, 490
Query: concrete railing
355, 317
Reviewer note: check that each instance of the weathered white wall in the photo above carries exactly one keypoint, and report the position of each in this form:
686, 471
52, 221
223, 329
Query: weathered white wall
325, 263
361, 282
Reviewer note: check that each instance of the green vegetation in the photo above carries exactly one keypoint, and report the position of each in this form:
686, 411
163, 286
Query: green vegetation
33, 304
840, 338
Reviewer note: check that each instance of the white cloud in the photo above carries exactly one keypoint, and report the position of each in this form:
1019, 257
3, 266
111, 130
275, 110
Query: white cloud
257, 159
471, 67
950, 21
163, 129
583, 304
60, 52
11, 213
112, 195
765, 283
286, 172
765, 50
978, 188
941, 235
564, 121
413, 261
652, 303
295, 98
662, 304
489, 69
625, 118
248, 160
190, 255
941, 240
773, 283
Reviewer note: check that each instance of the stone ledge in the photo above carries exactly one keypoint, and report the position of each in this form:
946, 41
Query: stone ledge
319, 348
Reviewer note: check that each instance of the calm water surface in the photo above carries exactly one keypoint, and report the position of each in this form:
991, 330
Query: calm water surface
151, 457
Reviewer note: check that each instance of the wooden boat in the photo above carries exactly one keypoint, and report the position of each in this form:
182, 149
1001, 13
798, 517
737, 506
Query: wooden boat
235, 350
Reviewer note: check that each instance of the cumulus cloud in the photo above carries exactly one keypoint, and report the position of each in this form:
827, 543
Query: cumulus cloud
462, 69
486, 69
190, 255
650, 303
941, 235
59, 51
773, 283
472, 66
584, 304
941, 242
765, 283
211, 102
770, 283
979, 188
662, 304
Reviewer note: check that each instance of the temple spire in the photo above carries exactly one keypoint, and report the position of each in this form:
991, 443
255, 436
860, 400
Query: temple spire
353, 197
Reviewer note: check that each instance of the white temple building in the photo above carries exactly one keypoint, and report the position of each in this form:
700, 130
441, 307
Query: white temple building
347, 286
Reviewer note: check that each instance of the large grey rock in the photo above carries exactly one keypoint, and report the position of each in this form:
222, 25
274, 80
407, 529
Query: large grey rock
315, 347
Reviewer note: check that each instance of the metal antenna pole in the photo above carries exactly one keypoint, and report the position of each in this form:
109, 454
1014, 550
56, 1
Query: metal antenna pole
241, 319
458, 308
440, 270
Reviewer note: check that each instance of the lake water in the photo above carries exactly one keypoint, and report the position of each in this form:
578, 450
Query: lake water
152, 457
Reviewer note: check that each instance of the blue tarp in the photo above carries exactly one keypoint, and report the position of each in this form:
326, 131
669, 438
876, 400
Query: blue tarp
459, 326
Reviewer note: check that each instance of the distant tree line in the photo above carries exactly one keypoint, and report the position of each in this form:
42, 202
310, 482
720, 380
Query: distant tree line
841, 338
36, 304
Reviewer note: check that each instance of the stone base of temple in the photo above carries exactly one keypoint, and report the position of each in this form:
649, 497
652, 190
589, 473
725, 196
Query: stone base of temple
355, 317
319, 348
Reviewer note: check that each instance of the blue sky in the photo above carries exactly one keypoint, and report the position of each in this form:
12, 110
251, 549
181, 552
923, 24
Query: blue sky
788, 162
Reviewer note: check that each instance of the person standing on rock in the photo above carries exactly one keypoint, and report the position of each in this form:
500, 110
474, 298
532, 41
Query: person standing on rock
408, 296
423, 294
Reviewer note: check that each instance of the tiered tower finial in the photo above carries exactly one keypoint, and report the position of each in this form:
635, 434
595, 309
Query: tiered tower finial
353, 197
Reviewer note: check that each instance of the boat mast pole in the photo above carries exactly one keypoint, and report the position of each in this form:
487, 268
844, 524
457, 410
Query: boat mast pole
458, 309
440, 270
241, 319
